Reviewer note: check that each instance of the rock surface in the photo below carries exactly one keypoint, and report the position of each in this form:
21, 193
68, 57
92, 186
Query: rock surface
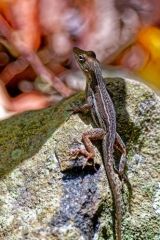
45, 195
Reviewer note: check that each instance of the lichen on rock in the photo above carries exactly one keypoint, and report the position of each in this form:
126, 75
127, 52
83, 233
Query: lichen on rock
46, 195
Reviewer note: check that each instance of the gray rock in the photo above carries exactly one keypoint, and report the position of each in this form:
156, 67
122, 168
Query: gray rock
45, 194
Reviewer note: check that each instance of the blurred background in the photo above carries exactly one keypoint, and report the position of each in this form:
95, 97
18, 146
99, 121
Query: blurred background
37, 68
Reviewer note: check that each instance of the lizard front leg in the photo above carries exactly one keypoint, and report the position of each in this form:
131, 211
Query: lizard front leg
87, 137
83, 108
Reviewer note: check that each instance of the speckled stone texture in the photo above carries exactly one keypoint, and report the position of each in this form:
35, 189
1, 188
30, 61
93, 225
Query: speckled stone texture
46, 195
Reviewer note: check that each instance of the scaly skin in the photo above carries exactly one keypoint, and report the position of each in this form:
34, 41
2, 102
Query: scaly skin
103, 114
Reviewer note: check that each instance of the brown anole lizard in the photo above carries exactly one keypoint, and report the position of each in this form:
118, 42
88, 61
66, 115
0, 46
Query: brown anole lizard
103, 114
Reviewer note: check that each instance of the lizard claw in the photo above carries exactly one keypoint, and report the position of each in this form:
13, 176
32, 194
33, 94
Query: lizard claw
89, 163
74, 152
89, 157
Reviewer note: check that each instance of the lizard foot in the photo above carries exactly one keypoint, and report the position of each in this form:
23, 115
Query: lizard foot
89, 158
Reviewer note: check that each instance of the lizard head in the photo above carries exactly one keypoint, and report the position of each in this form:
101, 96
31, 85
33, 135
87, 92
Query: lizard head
85, 59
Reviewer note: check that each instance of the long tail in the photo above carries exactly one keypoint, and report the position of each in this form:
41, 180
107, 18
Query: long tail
117, 200
115, 187
118, 215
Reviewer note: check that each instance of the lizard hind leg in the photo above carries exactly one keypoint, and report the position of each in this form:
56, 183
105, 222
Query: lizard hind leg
119, 144
87, 137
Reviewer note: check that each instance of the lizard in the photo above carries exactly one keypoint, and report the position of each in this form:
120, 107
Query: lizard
103, 114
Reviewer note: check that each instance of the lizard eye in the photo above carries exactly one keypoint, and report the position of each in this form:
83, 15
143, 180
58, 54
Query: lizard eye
82, 59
